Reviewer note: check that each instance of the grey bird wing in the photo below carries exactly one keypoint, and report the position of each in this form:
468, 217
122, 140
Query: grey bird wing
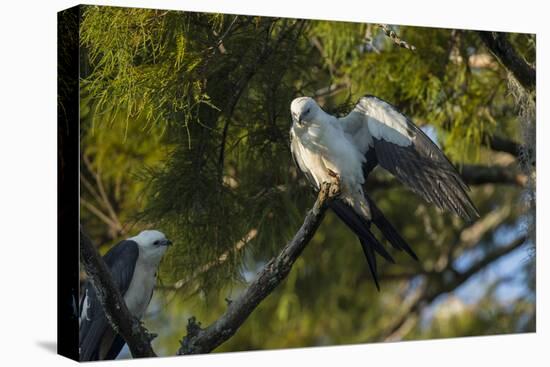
94, 327
407, 152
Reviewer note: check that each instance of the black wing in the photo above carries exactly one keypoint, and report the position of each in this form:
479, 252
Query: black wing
404, 150
97, 340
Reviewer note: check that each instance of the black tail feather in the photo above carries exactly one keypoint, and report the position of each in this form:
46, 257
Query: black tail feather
371, 261
359, 226
389, 231
369, 243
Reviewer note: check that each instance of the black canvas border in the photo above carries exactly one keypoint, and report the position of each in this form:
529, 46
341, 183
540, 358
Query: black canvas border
68, 140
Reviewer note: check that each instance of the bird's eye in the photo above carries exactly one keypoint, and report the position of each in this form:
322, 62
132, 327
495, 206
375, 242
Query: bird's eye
307, 111
156, 243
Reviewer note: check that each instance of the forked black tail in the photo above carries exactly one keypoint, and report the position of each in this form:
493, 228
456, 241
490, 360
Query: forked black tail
369, 243
388, 230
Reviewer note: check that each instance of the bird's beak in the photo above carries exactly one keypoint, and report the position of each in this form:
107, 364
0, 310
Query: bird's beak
298, 119
167, 243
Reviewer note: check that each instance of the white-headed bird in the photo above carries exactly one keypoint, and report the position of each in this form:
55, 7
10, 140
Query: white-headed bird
133, 264
327, 148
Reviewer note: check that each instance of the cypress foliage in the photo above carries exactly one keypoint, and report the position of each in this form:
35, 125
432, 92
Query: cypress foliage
201, 100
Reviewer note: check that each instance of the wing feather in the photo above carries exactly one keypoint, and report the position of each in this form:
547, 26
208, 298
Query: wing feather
121, 260
299, 155
403, 149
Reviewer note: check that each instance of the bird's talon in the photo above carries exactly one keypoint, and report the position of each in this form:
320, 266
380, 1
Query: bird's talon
331, 173
334, 190
335, 184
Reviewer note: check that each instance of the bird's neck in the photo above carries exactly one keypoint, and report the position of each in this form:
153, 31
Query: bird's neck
322, 120
322, 115
149, 260
314, 127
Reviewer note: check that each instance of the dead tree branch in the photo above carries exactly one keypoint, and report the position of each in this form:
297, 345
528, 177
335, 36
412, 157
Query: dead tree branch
500, 144
99, 194
484, 262
118, 315
200, 340
479, 174
506, 54
393, 36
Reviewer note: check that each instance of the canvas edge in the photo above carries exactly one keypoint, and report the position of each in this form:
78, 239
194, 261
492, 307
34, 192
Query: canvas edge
68, 139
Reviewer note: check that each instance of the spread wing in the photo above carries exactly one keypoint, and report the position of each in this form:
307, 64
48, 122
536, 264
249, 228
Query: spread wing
96, 338
403, 149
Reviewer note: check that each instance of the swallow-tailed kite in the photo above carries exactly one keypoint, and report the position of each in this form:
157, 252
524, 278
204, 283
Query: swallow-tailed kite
133, 264
347, 149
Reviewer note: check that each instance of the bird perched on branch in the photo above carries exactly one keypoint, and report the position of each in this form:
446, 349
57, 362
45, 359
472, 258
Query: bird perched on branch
347, 149
133, 264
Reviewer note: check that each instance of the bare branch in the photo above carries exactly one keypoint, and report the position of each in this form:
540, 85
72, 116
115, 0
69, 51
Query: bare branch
487, 260
435, 287
90, 187
98, 213
275, 271
393, 36
331, 90
500, 144
479, 174
100, 194
472, 234
116, 311
503, 50
206, 267
368, 39
220, 45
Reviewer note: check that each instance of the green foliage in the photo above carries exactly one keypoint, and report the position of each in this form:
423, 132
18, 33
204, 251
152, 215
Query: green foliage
185, 117
115, 155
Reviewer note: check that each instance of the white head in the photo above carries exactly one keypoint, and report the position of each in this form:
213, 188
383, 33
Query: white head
304, 110
152, 245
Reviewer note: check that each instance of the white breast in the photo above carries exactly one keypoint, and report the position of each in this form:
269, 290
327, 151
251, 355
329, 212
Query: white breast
309, 152
342, 156
324, 146
139, 292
